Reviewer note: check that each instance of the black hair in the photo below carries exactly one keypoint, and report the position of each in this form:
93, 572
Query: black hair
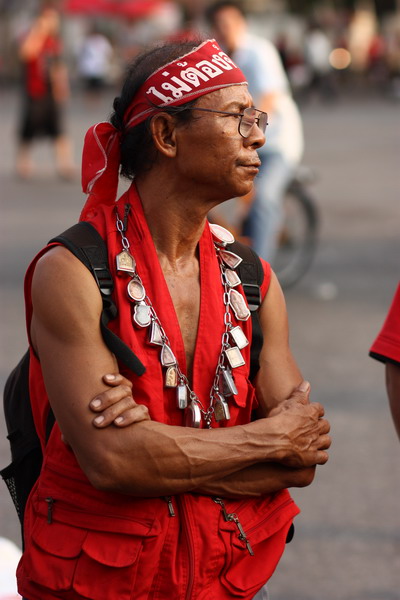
138, 152
212, 11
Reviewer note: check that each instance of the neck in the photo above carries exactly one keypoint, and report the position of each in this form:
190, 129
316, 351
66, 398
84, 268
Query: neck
176, 220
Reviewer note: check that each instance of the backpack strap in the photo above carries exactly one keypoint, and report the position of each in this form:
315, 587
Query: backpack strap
251, 273
84, 241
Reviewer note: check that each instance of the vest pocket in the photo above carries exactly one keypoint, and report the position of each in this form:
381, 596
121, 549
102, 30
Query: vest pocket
265, 524
112, 561
92, 564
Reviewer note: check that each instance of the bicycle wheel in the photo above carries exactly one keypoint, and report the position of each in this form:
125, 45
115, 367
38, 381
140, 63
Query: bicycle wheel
299, 235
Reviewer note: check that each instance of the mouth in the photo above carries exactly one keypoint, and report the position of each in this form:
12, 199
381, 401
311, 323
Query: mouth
251, 167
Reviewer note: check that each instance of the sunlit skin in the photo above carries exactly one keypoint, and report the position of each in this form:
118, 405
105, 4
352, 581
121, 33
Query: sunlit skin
213, 162
200, 164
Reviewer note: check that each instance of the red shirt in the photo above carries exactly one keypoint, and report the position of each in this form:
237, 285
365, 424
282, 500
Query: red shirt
38, 76
104, 545
386, 347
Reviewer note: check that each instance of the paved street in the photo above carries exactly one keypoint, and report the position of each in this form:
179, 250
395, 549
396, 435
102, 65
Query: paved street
347, 542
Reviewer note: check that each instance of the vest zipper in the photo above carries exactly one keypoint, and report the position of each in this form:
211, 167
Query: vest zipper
168, 500
50, 502
233, 518
71, 508
186, 530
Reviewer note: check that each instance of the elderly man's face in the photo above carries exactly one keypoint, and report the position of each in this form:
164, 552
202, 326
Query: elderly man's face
212, 155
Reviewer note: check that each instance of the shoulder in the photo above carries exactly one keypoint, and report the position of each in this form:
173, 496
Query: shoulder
64, 292
58, 265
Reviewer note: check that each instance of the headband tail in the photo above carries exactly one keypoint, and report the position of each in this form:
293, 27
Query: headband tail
100, 165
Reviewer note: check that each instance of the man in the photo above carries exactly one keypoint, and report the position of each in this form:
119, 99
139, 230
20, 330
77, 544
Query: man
189, 498
386, 348
260, 62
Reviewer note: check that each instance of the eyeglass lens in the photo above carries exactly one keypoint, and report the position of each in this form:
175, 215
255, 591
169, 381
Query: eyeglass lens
250, 117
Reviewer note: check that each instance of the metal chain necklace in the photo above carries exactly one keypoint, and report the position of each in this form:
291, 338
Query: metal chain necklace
233, 338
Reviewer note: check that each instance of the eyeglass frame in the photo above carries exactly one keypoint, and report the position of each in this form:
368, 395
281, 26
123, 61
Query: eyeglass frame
241, 115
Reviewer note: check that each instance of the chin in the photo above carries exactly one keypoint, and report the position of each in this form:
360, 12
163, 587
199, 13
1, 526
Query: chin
245, 189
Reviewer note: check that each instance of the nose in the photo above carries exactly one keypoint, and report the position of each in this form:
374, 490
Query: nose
256, 137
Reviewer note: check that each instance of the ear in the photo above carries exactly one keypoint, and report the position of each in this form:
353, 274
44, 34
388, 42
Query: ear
163, 131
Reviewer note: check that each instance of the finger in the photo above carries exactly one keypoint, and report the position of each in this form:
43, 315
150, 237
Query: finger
304, 386
324, 426
115, 379
134, 415
302, 392
322, 457
318, 408
108, 415
324, 442
110, 397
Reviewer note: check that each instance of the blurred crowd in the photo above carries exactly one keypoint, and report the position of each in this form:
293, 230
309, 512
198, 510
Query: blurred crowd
322, 53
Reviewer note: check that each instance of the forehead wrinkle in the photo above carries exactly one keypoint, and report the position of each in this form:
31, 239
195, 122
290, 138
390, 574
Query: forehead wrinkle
233, 96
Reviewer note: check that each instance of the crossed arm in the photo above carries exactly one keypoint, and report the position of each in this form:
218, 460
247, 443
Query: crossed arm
146, 458
392, 371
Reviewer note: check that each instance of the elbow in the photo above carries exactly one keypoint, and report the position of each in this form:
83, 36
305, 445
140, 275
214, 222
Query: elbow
104, 474
304, 477
106, 481
114, 477
101, 480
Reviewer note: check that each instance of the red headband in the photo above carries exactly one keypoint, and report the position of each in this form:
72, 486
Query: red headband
203, 70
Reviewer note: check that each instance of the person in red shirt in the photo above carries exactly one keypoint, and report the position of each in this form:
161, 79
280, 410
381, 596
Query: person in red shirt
189, 500
386, 348
45, 91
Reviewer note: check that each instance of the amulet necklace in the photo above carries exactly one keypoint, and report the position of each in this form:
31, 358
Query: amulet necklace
233, 339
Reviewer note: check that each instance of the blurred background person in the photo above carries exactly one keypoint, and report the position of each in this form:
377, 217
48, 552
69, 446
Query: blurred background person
45, 91
317, 50
94, 61
268, 84
386, 348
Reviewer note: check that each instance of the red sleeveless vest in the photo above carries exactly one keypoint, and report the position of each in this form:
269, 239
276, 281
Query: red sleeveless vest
82, 543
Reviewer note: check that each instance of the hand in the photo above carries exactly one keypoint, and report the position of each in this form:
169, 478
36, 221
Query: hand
301, 394
301, 429
116, 405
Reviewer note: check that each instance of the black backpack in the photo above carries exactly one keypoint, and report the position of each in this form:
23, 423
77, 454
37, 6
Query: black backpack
85, 243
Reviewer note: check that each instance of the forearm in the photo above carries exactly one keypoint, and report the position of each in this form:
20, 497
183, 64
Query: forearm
154, 459
147, 458
258, 480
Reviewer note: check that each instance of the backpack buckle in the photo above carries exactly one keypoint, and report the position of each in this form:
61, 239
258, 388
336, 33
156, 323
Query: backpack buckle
104, 280
253, 295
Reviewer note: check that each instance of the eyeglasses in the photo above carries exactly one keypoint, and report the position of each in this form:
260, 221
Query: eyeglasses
247, 119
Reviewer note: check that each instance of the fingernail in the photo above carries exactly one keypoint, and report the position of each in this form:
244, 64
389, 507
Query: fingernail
304, 386
95, 403
118, 420
98, 420
110, 376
